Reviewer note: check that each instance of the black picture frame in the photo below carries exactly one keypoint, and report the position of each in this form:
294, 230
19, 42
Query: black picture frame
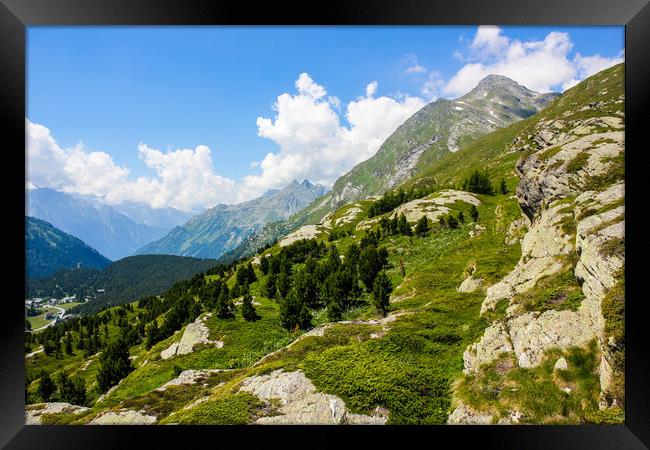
16, 15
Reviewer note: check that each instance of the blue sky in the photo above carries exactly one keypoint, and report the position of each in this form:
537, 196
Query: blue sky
169, 88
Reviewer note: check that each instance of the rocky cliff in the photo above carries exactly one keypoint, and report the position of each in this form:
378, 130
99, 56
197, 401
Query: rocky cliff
571, 192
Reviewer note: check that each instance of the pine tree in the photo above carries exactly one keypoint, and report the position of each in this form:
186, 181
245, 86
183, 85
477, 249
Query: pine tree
422, 227
403, 226
473, 213
461, 217
452, 222
68, 344
305, 286
45, 387
247, 308
268, 288
114, 364
152, 334
294, 313
71, 390
369, 266
264, 265
443, 222
381, 292
250, 273
503, 187
225, 306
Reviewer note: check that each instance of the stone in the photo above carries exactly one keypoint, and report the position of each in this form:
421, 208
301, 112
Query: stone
123, 417
300, 402
561, 364
33, 413
463, 415
470, 284
195, 333
304, 232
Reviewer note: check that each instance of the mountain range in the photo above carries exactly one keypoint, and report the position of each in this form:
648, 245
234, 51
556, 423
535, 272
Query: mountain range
436, 130
224, 227
113, 233
49, 249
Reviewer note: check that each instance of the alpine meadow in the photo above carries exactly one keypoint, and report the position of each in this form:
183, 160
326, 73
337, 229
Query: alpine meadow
449, 253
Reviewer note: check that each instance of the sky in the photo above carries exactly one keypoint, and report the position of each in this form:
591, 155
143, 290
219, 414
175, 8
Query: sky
188, 117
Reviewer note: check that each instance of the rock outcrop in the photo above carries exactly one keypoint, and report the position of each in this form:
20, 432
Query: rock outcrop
572, 193
300, 403
195, 333
34, 413
123, 417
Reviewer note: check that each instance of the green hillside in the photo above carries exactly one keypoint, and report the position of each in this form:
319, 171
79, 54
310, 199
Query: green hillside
121, 282
49, 249
451, 299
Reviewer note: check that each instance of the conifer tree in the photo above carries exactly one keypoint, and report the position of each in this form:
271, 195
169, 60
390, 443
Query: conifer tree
503, 187
381, 292
114, 364
422, 227
473, 213
461, 217
247, 308
294, 313
45, 386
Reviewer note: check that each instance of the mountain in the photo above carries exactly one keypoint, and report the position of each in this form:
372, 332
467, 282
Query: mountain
512, 312
122, 281
223, 227
48, 249
112, 233
436, 130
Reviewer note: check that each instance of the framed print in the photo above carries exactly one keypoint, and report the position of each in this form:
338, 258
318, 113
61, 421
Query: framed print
408, 221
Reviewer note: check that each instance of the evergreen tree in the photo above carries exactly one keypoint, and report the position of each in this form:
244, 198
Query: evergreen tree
264, 265
225, 307
306, 287
503, 187
68, 344
242, 276
283, 283
294, 313
473, 213
247, 308
45, 387
369, 266
394, 225
452, 222
461, 217
268, 288
381, 292
250, 273
114, 364
152, 334
422, 227
479, 183
71, 390
403, 226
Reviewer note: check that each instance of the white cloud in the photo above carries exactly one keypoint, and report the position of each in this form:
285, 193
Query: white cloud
414, 66
312, 141
539, 65
184, 179
431, 88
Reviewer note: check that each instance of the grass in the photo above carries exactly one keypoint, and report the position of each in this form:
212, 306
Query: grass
501, 387
560, 291
68, 306
235, 409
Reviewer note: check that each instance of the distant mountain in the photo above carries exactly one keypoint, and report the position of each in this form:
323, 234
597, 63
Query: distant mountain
111, 232
224, 227
123, 281
438, 128
48, 249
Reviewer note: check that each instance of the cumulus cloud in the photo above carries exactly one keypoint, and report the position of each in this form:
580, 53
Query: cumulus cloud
313, 143
414, 66
539, 65
185, 178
